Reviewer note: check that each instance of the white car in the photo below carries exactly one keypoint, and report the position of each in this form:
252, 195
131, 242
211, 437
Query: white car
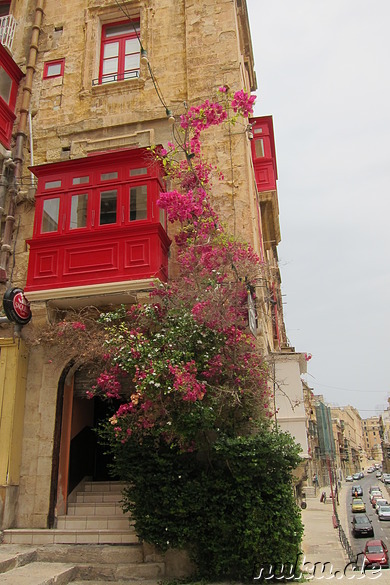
384, 513
349, 478
375, 494
380, 502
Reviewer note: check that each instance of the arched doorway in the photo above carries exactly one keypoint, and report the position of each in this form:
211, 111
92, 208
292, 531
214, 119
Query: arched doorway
78, 453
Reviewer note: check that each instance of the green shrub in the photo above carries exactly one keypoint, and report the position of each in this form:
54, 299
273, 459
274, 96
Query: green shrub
232, 507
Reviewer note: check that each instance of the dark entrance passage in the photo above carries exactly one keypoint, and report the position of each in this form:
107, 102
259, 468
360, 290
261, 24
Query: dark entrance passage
88, 456
78, 451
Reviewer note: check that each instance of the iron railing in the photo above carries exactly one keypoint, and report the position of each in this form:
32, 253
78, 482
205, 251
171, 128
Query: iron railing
7, 31
344, 541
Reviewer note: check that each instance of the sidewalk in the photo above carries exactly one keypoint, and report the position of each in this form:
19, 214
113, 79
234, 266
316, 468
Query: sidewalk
321, 543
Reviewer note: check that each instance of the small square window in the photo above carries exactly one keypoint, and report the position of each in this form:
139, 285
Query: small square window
53, 184
136, 172
109, 176
54, 69
80, 180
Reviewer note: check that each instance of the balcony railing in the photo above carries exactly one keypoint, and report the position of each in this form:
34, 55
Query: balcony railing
7, 31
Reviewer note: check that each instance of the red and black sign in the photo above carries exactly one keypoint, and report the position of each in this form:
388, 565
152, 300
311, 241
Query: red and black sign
16, 306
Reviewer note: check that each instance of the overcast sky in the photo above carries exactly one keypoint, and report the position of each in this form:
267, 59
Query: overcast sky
323, 74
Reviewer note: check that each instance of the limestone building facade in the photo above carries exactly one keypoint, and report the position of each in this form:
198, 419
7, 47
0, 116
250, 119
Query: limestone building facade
86, 88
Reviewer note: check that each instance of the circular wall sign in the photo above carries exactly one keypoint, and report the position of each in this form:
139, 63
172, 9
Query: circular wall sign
16, 306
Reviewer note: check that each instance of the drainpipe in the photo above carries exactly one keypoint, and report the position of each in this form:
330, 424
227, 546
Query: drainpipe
8, 167
20, 140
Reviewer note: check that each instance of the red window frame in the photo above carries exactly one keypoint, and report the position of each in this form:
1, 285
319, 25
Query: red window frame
120, 73
48, 64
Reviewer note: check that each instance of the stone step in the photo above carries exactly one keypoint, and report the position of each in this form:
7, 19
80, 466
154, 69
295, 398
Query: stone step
103, 486
12, 556
96, 496
40, 574
99, 554
117, 572
70, 536
96, 522
95, 508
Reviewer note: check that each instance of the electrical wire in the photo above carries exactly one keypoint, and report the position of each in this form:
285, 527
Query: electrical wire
153, 77
347, 389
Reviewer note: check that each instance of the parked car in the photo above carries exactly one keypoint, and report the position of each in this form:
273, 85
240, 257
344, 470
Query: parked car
384, 513
362, 525
358, 505
361, 474
370, 469
375, 494
349, 478
378, 474
375, 554
380, 502
375, 498
386, 478
357, 491
356, 476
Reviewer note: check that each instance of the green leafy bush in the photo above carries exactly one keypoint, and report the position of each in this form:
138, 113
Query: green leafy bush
232, 508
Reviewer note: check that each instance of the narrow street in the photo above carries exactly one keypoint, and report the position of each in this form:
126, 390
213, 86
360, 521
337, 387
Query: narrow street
381, 528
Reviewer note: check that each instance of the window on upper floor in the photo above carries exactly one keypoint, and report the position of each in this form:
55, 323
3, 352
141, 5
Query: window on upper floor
120, 52
54, 69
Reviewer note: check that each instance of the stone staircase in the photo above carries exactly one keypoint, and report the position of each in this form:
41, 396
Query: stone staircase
94, 517
93, 543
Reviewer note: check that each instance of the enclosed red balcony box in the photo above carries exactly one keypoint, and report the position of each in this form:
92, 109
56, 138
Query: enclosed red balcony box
97, 221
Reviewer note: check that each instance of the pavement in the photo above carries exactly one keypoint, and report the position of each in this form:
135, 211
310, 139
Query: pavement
321, 543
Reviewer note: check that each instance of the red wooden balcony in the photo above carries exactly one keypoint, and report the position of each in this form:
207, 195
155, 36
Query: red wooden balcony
10, 76
266, 174
263, 153
97, 223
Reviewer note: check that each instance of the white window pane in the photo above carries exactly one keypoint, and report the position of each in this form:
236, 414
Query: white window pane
51, 209
111, 50
110, 66
131, 62
53, 70
132, 46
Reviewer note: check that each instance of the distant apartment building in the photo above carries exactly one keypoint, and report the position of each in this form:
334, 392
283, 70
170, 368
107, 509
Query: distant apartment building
352, 448
372, 437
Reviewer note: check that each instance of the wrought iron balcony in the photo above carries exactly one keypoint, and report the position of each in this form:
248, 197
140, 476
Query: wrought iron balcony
7, 31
